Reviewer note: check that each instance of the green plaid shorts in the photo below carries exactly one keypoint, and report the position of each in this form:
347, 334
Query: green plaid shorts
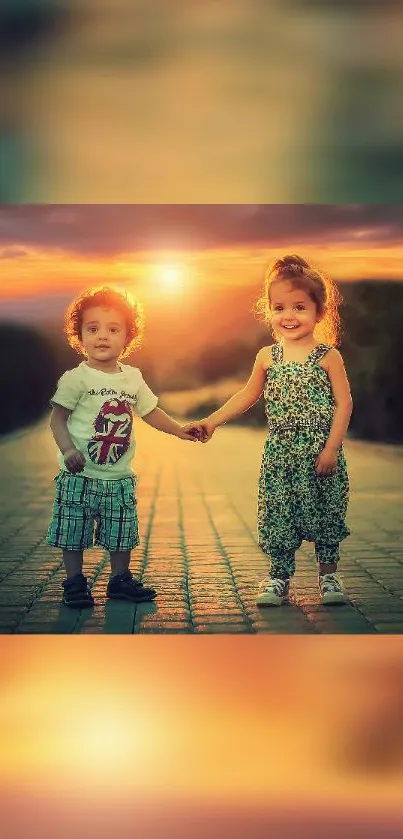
90, 511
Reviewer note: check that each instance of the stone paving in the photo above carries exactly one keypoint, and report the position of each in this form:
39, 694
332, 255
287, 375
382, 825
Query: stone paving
197, 513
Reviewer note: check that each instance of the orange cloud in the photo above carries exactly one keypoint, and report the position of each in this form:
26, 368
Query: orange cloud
38, 272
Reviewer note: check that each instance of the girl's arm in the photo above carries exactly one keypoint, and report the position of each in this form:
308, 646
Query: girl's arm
326, 462
158, 419
73, 458
237, 404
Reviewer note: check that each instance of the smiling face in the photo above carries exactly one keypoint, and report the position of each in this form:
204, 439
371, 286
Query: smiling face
293, 313
103, 337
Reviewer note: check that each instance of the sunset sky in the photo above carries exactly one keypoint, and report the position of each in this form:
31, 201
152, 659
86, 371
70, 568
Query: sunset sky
160, 249
199, 725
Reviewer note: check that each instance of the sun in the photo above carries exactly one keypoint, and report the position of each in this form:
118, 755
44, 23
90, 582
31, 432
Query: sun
171, 276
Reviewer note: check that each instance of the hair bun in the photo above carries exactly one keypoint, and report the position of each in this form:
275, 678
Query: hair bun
290, 263
295, 261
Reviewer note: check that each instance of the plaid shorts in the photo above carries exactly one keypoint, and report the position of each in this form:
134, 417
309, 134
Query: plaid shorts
88, 511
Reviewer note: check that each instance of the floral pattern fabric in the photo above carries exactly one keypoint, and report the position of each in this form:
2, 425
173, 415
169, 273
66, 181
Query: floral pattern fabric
294, 503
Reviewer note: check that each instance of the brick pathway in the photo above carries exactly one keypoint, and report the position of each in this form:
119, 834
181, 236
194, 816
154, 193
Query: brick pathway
197, 514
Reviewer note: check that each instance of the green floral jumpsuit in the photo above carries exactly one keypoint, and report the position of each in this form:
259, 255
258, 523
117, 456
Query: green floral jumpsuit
294, 502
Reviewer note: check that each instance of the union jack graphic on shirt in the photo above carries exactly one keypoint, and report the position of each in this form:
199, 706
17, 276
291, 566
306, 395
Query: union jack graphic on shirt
113, 427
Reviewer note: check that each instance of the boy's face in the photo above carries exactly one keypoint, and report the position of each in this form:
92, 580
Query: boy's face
103, 337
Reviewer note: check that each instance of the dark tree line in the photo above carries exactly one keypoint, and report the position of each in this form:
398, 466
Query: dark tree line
27, 375
372, 347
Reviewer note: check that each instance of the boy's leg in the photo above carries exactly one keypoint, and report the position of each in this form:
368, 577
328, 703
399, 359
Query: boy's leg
330, 585
73, 562
76, 592
122, 585
117, 531
71, 525
120, 561
274, 592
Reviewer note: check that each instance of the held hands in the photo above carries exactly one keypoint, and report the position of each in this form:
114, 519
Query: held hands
326, 462
74, 460
186, 433
201, 430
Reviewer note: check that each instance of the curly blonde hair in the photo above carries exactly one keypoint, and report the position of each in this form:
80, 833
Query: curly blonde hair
108, 298
320, 288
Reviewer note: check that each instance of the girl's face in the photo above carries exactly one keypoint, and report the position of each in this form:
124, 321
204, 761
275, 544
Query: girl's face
293, 313
103, 336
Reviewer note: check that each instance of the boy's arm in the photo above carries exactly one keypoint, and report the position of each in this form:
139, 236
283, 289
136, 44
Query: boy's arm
158, 419
74, 459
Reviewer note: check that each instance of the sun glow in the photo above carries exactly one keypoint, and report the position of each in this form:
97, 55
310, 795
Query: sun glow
108, 740
171, 276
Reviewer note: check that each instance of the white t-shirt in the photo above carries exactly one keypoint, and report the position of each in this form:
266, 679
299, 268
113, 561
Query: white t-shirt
101, 422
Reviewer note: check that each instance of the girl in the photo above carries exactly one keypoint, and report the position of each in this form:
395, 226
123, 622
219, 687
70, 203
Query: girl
303, 485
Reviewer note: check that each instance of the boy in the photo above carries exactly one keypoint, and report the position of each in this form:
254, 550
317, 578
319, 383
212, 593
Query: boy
92, 421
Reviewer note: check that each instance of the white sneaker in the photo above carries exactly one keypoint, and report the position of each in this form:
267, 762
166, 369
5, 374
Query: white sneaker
331, 589
273, 592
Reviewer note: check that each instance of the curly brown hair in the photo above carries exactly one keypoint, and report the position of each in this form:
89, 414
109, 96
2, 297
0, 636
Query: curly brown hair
320, 288
106, 297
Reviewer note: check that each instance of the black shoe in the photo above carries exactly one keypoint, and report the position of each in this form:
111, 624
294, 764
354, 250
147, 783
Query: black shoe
77, 593
125, 587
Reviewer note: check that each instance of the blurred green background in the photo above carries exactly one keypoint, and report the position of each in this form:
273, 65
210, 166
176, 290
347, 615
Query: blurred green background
177, 100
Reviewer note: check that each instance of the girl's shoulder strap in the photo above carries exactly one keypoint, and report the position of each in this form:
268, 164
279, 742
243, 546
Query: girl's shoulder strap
276, 353
318, 353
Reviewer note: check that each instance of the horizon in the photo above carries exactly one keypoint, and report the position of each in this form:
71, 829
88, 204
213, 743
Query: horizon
41, 308
169, 252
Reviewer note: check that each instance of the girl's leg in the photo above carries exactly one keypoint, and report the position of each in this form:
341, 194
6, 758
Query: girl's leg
282, 565
275, 591
73, 562
330, 585
327, 558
